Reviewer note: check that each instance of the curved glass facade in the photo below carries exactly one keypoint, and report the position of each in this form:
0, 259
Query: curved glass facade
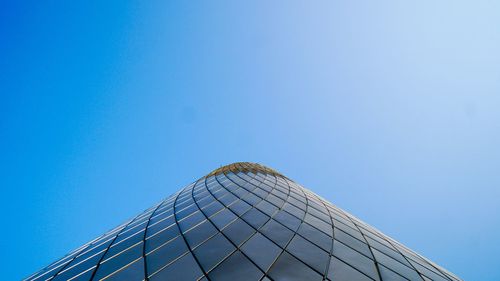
244, 221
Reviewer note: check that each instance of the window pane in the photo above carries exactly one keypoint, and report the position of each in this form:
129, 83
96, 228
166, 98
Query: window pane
261, 250
213, 251
236, 267
288, 268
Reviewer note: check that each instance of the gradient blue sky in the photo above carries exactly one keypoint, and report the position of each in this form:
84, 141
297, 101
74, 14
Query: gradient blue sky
389, 109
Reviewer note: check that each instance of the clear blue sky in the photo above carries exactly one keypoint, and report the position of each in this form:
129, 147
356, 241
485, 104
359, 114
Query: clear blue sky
389, 109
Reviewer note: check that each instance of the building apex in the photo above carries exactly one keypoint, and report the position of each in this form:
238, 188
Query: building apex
244, 167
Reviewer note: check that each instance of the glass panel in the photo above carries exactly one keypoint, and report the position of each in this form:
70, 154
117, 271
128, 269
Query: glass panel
388, 251
277, 232
223, 218
191, 221
261, 250
183, 269
116, 262
395, 265
213, 251
267, 208
340, 271
133, 272
161, 238
288, 220
319, 238
117, 248
240, 207
387, 274
352, 242
236, 267
308, 253
78, 268
354, 259
212, 208
200, 233
288, 268
238, 231
165, 254
319, 224
255, 218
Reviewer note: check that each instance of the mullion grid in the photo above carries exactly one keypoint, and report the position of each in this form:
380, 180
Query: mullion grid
238, 217
367, 232
264, 189
296, 188
256, 230
97, 243
161, 215
133, 225
359, 224
123, 231
62, 264
295, 233
333, 237
419, 260
237, 247
166, 206
58, 263
159, 207
77, 253
329, 210
338, 215
414, 257
175, 205
366, 241
206, 272
184, 231
399, 251
83, 258
370, 245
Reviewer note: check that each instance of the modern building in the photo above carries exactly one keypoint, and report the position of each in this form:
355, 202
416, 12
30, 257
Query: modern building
244, 221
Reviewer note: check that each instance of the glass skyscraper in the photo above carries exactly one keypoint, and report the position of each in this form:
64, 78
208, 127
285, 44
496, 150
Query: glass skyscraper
244, 221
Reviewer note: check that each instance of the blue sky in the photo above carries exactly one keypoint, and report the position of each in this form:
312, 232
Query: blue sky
389, 109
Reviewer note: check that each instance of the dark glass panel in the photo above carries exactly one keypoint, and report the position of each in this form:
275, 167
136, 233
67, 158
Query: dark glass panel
223, 218
319, 238
114, 263
389, 275
277, 232
133, 272
200, 233
352, 242
212, 208
238, 231
236, 267
340, 271
396, 266
213, 251
261, 250
160, 238
308, 253
183, 269
165, 254
240, 207
355, 259
255, 218
191, 221
288, 220
288, 268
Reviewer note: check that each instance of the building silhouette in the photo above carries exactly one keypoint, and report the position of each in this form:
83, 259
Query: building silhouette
244, 221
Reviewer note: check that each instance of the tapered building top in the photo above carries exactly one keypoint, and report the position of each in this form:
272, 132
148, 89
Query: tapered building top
244, 167
244, 221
